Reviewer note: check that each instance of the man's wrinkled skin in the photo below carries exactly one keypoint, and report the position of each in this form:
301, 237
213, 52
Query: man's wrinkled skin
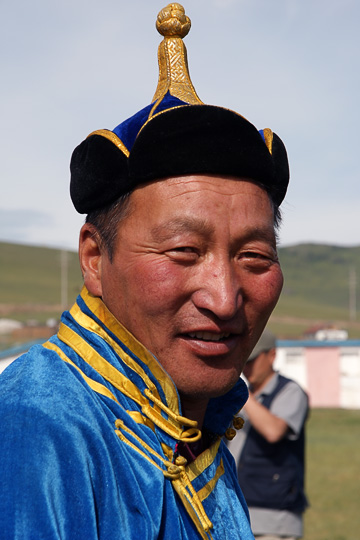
194, 276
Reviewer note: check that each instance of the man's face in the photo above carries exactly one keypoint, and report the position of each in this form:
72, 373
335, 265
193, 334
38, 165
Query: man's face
195, 277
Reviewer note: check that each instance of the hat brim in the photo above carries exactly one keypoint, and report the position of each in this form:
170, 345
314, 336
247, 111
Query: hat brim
185, 140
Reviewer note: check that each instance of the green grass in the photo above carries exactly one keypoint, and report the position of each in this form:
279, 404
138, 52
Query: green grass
32, 275
333, 475
316, 280
319, 273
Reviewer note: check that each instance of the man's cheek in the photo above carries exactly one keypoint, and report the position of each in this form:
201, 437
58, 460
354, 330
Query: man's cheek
160, 277
267, 289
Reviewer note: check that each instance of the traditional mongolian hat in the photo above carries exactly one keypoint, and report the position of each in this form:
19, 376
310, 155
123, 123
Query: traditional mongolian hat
176, 134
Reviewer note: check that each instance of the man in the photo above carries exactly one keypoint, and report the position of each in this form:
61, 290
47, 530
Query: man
113, 428
269, 451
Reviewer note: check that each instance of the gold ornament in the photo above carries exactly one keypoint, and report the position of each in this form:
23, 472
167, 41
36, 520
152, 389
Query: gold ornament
238, 422
173, 24
230, 433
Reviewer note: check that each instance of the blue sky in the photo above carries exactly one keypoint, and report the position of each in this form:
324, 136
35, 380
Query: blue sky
70, 67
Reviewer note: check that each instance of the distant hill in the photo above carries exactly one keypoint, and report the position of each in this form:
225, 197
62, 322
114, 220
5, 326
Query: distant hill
33, 280
317, 288
37, 282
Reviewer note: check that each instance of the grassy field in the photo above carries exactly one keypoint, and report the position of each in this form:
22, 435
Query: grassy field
317, 289
333, 475
30, 281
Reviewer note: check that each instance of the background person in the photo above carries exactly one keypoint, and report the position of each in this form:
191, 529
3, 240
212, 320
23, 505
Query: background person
269, 450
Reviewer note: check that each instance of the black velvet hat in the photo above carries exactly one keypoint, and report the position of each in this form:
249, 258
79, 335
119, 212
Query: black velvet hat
177, 134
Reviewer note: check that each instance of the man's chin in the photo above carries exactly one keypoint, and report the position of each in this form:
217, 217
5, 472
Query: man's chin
207, 392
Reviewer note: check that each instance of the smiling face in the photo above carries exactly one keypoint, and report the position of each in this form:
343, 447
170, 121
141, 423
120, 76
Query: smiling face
194, 277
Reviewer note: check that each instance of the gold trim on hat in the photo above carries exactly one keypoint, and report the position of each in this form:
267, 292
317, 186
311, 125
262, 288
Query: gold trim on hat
111, 136
174, 76
268, 136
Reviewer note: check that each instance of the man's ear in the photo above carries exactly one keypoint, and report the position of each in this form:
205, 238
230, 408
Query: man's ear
90, 255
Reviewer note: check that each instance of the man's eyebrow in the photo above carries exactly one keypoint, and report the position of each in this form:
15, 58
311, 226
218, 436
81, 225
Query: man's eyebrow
176, 226
266, 234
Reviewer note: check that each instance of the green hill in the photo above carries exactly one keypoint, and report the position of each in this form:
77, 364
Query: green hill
31, 280
316, 289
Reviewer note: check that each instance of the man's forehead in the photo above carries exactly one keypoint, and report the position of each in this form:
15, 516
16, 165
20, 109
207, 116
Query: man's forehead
197, 183
198, 190
178, 204
206, 229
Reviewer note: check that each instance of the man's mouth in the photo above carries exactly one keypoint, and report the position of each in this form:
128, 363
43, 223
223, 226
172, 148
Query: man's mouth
209, 336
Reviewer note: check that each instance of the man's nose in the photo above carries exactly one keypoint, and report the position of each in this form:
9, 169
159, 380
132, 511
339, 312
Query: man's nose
219, 291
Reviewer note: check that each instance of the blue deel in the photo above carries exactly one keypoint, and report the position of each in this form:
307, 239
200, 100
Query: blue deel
90, 425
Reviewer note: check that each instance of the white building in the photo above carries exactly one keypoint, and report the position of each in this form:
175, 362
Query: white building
329, 371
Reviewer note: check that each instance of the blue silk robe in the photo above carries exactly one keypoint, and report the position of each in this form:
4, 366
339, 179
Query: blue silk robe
89, 424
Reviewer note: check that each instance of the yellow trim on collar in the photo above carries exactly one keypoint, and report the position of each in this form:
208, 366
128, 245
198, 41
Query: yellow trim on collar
97, 306
121, 428
203, 461
102, 366
94, 385
205, 491
141, 419
125, 440
176, 474
125, 386
193, 505
87, 322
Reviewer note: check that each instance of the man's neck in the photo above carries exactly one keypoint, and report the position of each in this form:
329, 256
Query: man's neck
194, 409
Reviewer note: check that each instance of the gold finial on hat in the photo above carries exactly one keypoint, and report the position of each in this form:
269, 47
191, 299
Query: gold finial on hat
174, 76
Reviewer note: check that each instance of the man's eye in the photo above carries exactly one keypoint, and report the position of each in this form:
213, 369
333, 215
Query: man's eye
183, 253
254, 255
258, 260
185, 249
